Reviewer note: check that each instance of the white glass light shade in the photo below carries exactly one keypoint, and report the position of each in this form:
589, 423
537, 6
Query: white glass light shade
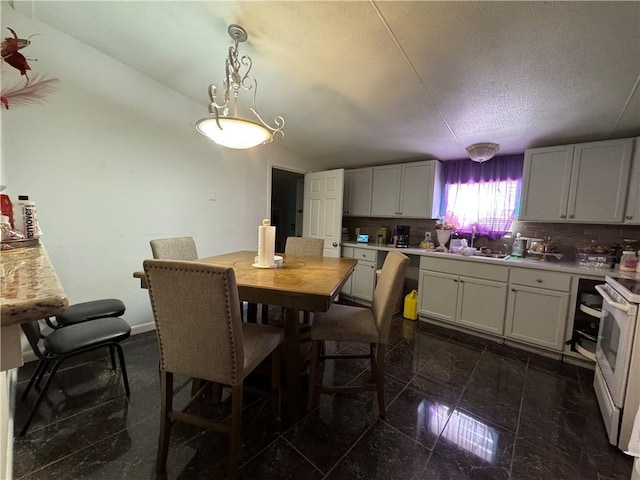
481, 152
235, 132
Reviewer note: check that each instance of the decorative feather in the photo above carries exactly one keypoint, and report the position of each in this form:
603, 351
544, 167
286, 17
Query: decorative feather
31, 93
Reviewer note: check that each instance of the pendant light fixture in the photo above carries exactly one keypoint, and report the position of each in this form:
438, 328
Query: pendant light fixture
223, 125
481, 152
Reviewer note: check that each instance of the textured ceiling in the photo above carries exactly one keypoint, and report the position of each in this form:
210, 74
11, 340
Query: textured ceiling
362, 83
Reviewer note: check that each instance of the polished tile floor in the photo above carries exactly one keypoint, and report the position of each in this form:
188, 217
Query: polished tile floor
458, 407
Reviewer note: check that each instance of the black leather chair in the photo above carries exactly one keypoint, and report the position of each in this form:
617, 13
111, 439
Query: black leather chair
93, 310
68, 341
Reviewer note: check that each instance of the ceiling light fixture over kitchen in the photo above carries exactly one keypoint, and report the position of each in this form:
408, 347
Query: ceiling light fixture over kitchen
481, 152
224, 126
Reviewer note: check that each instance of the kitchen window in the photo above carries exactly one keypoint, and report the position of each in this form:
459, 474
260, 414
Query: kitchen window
483, 195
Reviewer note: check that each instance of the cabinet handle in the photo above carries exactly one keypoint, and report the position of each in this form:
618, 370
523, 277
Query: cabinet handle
513, 289
629, 217
539, 280
456, 281
571, 216
563, 216
335, 244
461, 281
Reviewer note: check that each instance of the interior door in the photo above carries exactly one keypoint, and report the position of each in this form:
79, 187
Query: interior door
323, 192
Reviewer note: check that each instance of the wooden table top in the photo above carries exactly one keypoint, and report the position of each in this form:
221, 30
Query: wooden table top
302, 282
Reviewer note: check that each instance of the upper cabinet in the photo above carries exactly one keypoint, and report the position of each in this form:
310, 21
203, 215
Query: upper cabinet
357, 196
632, 211
409, 190
583, 183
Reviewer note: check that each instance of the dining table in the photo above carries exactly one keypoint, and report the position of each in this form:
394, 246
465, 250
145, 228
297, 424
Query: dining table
300, 283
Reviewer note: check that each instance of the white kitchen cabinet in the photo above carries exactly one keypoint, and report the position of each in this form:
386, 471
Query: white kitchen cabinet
363, 279
467, 293
347, 252
537, 307
408, 190
585, 183
358, 200
632, 210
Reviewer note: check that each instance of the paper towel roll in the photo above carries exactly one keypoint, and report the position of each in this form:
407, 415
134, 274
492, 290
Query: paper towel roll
266, 244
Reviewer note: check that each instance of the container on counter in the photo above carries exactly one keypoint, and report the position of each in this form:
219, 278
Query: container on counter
628, 261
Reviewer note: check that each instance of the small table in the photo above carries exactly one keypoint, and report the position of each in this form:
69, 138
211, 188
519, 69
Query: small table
301, 283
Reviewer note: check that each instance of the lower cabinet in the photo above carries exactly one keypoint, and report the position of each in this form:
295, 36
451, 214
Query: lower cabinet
521, 304
469, 299
362, 282
537, 308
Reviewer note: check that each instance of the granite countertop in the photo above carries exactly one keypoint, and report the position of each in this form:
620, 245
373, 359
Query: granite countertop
30, 288
552, 265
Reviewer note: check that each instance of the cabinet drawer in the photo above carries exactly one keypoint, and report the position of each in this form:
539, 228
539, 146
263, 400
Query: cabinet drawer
540, 279
364, 254
347, 252
465, 267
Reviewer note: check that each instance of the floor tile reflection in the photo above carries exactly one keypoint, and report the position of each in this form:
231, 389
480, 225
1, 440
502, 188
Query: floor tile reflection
458, 407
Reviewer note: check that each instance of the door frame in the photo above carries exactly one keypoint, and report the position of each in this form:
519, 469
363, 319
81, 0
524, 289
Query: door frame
279, 166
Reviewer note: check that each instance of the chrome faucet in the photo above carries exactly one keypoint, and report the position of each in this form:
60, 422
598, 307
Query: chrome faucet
506, 248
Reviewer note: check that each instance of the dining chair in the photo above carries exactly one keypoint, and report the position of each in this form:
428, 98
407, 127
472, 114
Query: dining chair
201, 335
345, 323
85, 311
63, 343
175, 248
298, 246
304, 246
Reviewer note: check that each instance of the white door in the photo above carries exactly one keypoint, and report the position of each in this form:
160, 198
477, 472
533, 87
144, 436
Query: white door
323, 192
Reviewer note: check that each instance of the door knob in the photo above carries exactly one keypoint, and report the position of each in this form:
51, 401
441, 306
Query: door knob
335, 244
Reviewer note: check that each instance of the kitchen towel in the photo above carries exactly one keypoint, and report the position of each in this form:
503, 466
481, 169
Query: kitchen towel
266, 244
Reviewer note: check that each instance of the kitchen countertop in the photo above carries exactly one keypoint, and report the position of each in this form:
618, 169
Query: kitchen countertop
30, 286
552, 265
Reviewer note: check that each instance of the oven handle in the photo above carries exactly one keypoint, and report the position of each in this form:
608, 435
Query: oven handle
607, 298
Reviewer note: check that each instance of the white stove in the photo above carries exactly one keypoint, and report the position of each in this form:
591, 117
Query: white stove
617, 375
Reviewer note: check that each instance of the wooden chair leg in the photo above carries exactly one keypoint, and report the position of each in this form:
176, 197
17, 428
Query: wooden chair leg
379, 375
313, 372
166, 405
236, 430
265, 314
276, 379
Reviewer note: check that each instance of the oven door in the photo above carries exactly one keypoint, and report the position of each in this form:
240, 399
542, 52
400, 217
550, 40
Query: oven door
615, 340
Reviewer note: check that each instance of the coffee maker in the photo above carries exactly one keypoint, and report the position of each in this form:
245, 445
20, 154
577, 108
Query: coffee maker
403, 236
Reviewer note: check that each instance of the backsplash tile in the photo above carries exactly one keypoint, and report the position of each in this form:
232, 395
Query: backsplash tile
566, 235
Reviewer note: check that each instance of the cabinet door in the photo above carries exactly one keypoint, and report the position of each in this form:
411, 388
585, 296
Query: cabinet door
385, 195
420, 190
481, 304
438, 295
537, 316
363, 280
599, 181
360, 192
632, 212
545, 183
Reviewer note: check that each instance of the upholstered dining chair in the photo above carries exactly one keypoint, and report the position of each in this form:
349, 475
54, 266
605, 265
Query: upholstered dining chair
200, 334
298, 246
304, 246
346, 323
175, 248
63, 343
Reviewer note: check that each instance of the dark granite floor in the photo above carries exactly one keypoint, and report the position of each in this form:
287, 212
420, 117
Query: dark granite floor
458, 407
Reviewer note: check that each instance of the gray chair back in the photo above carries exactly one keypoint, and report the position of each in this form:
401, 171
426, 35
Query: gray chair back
387, 291
176, 248
196, 310
304, 246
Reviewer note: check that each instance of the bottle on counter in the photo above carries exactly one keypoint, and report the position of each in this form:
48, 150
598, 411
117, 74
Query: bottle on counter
517, 249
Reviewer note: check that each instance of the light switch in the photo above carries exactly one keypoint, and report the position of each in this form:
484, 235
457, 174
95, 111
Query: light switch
212, 194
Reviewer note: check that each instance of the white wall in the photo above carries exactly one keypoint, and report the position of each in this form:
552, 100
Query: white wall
113, 160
